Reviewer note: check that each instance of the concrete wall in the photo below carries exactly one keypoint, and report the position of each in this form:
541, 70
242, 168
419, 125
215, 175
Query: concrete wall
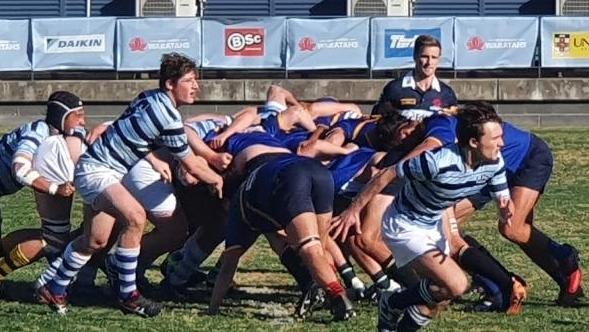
529, 102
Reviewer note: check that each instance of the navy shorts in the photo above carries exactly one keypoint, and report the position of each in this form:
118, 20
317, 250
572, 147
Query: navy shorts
534, 173
276, 196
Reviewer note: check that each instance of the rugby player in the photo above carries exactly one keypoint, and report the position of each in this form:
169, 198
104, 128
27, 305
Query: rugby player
152, 120
413, 227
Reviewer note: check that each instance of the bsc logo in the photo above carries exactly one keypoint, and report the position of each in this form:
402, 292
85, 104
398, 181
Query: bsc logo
244, 42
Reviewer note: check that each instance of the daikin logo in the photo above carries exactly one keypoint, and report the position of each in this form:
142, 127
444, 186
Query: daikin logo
75, 44
9, 45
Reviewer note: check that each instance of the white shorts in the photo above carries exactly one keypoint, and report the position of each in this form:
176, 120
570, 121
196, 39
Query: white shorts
272, 108
52, 160
91, 179
408, 241
146, 185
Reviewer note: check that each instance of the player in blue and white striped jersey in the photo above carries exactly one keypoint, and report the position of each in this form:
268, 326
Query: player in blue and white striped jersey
21, 164
412, 225
151, 121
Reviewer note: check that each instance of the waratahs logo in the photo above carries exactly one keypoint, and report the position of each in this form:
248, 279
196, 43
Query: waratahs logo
137, 44
475, 43
307, 44
399, 43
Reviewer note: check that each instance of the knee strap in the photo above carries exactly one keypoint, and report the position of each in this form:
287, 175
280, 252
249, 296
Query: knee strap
309, 241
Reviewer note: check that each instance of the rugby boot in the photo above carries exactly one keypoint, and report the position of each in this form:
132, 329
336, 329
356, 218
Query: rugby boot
55, 302
341, 307
572, 289
138, 305
312, 299
519, 294
388, 316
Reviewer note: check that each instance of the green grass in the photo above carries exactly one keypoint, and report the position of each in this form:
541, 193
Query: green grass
268, 296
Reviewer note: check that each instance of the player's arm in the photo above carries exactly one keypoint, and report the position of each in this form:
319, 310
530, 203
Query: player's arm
218, 160
318, 109
24, 173
198, 168
230, 260
160, 166
243, 119
428, 144
351, 216
499, 189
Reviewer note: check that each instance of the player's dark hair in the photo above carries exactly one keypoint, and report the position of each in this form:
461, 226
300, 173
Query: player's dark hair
173, 66
388, 128
471, 119
424, 41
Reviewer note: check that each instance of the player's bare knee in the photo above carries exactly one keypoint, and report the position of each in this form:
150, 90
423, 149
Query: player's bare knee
458, 286
512, 233
137, 219
365, 241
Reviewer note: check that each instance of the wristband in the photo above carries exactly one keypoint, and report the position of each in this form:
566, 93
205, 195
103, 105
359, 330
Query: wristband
52, 188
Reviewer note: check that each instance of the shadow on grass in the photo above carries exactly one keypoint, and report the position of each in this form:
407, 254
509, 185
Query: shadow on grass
23, 292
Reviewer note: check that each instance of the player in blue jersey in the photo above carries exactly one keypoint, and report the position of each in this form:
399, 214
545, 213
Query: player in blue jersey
281, 191
412, 225
31, 155
151, 121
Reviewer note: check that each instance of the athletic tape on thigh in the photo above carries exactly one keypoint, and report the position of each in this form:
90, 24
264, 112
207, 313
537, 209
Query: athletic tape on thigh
453, 225
309, 241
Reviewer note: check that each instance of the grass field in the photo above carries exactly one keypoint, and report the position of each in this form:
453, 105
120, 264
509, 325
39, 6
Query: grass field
267, 295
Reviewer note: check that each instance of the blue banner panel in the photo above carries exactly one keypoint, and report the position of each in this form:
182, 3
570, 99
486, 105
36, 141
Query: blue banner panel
14, 40
142, 42
393, 38
243, 44
565, 41
73, 43
504, 46
327, 44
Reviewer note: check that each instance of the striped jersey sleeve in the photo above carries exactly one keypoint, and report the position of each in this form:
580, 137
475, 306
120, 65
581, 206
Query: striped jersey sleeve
420, 168
150, 122
31, 136
498, 186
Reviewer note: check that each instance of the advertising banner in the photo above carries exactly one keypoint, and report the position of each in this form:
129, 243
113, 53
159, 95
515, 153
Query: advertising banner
242, 44
14, 41
393, 38
327, 44
73, 43
565, 41
142, 42
510, 45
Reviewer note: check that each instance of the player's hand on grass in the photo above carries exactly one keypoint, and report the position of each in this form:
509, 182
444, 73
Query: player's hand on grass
344, 223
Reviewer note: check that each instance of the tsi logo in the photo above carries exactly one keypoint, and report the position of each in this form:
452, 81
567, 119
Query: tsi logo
75, 44
399, 43
244, 42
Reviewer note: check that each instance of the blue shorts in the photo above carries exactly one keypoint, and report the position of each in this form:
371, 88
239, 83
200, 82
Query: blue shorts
533, 174
271, 199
